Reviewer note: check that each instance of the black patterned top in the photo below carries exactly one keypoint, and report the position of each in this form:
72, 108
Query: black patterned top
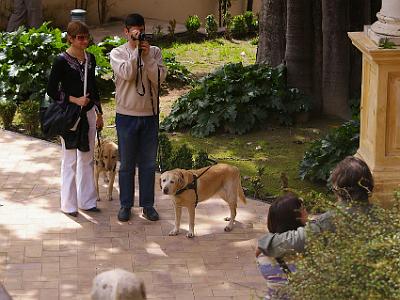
66, 79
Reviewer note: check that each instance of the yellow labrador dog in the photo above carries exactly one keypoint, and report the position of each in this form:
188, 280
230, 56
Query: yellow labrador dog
191, 186
105, 157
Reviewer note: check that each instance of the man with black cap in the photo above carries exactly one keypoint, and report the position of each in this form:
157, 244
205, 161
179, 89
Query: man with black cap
139, 71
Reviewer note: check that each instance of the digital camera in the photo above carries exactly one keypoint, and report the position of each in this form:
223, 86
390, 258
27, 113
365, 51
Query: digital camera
141, 37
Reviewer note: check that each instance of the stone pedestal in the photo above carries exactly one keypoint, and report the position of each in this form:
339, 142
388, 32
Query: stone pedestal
380, 115
388, 25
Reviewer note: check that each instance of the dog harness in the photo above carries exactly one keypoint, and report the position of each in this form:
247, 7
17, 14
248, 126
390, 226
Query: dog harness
193, 186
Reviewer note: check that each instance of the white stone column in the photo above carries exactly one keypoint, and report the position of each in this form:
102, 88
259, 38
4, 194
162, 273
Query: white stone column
388, 25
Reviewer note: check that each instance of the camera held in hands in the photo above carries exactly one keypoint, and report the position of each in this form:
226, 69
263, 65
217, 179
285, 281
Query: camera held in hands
141, 37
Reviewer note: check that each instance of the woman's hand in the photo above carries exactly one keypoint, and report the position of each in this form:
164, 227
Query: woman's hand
258, 252
81, 101
99, 122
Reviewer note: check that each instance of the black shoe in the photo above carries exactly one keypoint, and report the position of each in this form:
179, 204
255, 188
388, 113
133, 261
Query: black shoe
72, 214
124, 214
150, 214
93, 209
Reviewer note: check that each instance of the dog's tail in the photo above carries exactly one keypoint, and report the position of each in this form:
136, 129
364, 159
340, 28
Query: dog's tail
240, 192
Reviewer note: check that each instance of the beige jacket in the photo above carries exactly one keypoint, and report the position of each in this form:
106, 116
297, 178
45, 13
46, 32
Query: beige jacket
124, 64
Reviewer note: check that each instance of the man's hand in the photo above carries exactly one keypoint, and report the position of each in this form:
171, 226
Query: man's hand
145, 46
81, 101
134, 34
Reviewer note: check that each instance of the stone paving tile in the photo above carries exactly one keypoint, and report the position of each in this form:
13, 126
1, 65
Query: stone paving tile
45, 254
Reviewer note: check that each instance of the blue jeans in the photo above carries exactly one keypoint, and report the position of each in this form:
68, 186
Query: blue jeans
137, 145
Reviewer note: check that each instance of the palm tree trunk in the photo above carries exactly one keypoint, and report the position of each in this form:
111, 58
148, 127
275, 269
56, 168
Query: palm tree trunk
271, 45
336, 62
317, 56
357, 22
299, 47
249, 5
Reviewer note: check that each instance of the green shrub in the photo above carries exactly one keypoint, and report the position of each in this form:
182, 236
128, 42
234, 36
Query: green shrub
26, 57
177, 73
192, 24
201, 160
211, 26
238, 26
254, 41
256, 181
171, 28
157, 32
111, 42
165, 152
29, 111
325, 153
360, 260
315, 202
7, 112
251, 22
236, 99
182, 158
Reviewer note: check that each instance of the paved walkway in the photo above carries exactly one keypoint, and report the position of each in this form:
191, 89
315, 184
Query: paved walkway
46, 255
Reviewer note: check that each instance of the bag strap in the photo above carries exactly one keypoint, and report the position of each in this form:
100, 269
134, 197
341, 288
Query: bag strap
85, 76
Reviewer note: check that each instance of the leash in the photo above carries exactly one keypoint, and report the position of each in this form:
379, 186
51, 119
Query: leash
97, 160
157, 116
193, 185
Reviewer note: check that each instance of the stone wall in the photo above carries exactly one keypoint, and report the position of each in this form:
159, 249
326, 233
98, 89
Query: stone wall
58, 11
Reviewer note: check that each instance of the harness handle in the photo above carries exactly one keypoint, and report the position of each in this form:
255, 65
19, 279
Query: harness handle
193, 185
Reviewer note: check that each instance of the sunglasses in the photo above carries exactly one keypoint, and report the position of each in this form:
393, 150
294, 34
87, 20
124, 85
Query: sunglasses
82, 37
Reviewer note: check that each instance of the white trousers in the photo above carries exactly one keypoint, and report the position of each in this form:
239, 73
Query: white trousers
77, 180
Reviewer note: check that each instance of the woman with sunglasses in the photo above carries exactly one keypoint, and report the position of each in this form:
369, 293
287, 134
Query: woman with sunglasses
66, 86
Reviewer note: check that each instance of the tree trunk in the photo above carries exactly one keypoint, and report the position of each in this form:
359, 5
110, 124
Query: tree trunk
299, 48
249, 5
317, 56
375, 7
336, 62
271, 44
357, 22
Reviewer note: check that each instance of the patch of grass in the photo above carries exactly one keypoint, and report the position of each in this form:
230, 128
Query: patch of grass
201, 58
109, 130
280, 149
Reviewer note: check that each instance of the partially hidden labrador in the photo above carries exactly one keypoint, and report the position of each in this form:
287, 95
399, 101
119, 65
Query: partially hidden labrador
105, 158
220, 180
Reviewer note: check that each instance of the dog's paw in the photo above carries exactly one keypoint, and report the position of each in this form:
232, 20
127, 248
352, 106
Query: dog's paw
190, 235
109, 198
98, 199
173, 232
227, 218
228, 229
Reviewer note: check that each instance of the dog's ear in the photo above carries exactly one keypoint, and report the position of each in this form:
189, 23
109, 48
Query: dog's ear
181, 178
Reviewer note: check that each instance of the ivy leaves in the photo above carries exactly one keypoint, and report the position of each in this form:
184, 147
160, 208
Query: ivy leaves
236, 99
25, 60
325, 153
